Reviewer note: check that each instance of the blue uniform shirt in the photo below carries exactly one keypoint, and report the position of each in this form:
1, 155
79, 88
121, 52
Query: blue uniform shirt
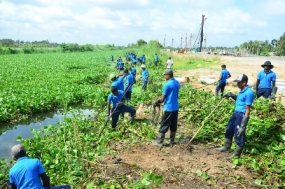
115, 99
121, 65
120, 83
171, 90
244, 98
129, 81
135, 57
266, 79
156, 57
145, 75
143, 59
134, 71
134, 60
224, 75
26, 173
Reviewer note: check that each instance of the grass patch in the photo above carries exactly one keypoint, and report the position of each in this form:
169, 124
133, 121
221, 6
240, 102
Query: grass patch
194, 62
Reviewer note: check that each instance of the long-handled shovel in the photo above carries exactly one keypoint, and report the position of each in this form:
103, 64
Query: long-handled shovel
203, 123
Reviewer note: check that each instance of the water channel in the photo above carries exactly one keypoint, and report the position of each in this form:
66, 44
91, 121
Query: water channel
9, 132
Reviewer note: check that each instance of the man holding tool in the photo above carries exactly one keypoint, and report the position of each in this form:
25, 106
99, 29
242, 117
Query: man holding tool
265, 84
128, 84
170, 98
117, 98
133, 71
224, 75
237, 124
144, 77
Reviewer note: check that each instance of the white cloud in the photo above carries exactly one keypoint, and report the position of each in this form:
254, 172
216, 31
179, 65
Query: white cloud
122, 22
276, 7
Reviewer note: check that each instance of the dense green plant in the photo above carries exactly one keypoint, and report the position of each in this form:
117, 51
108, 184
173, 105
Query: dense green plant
75, 151
281, 45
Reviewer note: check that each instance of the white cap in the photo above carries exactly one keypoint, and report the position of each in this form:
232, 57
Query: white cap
241, 77
142, 66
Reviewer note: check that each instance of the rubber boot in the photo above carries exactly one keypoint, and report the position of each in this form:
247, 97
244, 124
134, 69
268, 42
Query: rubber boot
160, 139
172, 138
237, 152
227, 145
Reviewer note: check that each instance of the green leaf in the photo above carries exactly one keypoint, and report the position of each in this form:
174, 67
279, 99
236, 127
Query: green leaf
258, 182
235, 161
145, 182
157, 179
282, 137
199, 173
90, 185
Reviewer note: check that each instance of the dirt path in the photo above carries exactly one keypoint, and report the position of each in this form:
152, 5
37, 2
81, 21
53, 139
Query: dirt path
201, 166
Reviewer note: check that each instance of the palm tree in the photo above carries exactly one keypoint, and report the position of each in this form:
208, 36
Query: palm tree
274, 43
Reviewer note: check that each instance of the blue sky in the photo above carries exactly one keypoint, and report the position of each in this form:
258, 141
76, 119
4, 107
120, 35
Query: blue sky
121, 22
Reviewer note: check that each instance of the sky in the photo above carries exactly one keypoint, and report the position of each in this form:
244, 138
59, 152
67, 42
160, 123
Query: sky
227, 23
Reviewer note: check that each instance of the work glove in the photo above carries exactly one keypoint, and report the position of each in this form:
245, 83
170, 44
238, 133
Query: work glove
230, 95
273, 92
156, 103
107, 117
242, 127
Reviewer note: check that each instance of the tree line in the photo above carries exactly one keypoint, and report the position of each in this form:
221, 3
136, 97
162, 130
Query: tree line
263, 48
9, 46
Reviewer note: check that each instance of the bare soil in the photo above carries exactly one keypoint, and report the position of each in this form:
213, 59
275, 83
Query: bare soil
236, 65
179, 165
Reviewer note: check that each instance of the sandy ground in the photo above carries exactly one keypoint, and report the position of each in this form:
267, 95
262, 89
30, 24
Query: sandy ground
236, 65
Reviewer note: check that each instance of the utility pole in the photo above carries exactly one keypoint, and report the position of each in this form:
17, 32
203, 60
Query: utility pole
205, 40
164, 40
172, 42
181, 41
202, 25
190, 42
186, 41
18, 37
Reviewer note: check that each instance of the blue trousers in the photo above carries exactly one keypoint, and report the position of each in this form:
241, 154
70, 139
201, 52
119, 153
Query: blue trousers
134, 78
220, 86
155, 62
265, 92
232, 128
118, 111
144, 85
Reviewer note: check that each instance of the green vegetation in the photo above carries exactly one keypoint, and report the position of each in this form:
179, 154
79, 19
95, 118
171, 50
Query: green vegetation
280, 44
73, 153
263, 48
